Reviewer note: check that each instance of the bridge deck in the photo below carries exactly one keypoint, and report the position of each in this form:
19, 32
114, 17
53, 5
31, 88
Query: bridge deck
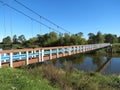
20, 57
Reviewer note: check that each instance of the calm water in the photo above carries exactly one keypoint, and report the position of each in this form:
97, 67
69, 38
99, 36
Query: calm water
106, 64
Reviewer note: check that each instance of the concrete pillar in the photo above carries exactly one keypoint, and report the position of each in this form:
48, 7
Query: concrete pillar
50, 54
11, 59
0, 61
27, 58
57, 53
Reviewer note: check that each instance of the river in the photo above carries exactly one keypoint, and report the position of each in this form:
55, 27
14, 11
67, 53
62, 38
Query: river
103, 63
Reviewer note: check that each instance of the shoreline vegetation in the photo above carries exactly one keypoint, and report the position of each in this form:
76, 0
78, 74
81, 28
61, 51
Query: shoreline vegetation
48, 77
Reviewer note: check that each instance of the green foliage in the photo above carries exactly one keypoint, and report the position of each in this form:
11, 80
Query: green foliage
110, 38
53, 39
48, 39
116, 48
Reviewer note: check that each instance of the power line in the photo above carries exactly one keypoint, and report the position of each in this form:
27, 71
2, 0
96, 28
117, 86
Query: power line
41, 16
27, 16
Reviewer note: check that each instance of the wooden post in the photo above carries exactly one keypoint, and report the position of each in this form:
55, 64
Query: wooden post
57, 53
42, 55
0, 61
50, 54
27, 58
11, 59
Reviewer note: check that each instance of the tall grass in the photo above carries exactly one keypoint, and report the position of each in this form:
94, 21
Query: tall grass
48, 77
68, 78
15, 79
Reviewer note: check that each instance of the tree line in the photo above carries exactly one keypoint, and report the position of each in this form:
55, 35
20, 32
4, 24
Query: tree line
55, 39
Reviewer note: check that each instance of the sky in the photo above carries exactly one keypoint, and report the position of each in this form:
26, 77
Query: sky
87, 16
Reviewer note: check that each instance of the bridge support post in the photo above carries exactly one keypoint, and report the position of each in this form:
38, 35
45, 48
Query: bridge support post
69, 51
39, 60
77, 49
4, 56
0, 61
32, 53
63, 51
74, 50
27, 58
82, 49
20, 55
42, 55
57, 53
50, 54
11, 59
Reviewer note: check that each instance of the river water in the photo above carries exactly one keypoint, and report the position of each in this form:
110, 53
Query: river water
103, 63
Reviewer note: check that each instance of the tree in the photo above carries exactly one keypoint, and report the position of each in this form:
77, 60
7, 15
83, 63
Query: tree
110, 38
7, 40
92, 38
7, 43
15, 40
119, 39
66, 39
100, 37
21, 38
80, 34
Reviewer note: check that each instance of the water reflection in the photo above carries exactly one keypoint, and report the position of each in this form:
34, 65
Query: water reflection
106, 64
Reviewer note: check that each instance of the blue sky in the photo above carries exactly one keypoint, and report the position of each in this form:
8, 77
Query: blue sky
74, 15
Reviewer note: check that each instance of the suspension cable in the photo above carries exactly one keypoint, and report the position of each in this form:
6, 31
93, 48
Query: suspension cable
11, 29
32, 27
4, 22
41, 16
27, 15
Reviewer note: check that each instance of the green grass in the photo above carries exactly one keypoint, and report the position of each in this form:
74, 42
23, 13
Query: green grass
48, 77
69, 78
15, 79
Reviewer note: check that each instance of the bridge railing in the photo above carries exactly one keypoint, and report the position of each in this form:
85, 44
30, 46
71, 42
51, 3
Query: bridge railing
41, 54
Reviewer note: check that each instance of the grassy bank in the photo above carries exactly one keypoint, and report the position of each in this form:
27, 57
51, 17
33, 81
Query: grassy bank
16, 79
48, 77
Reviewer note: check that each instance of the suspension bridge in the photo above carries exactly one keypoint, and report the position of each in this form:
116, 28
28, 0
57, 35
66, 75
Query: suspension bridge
20, 57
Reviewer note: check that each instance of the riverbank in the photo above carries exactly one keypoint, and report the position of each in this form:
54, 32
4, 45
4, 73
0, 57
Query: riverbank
48, 77
116, 48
